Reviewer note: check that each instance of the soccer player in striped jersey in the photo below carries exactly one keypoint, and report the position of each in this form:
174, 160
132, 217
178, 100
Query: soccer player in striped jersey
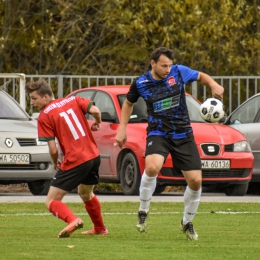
168, 131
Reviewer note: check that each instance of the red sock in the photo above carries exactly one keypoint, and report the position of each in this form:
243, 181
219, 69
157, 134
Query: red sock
93, 208
61, 211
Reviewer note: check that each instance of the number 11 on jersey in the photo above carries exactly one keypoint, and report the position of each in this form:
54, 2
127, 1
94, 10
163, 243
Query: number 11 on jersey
70, 125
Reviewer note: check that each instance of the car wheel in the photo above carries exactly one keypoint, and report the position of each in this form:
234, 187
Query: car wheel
254, 188
40, 187
130, 175
236, 189
159, 189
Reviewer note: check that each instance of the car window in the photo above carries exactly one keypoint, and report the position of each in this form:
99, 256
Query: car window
85, 94
9, 109
247, 112
139, 113
105, 104
193, 109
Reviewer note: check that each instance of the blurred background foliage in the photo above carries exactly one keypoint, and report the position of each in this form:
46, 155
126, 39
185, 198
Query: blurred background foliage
116, 37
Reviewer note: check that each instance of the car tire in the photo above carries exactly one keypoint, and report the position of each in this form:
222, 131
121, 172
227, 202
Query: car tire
39, 187
159, 189
254, 188
236, 190
130, 176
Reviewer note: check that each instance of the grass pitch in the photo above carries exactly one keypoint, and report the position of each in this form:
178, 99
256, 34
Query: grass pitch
226, 231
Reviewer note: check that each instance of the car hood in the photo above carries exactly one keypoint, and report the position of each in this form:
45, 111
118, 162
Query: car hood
203, 132
221, 134
18, 126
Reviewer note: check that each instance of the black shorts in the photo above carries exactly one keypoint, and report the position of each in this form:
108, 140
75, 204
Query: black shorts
184, 152
86, 173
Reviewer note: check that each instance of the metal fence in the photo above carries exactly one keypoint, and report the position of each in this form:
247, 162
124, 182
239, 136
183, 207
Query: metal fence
237, 88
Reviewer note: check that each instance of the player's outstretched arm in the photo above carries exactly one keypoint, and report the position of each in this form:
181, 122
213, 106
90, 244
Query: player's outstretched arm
126, 112
216, 89
54, 154
95, 112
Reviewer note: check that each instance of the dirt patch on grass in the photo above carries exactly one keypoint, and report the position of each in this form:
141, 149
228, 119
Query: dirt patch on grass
13, 188
23, 187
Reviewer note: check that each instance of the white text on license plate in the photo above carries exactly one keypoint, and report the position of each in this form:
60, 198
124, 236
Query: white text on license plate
215, 164
14, 158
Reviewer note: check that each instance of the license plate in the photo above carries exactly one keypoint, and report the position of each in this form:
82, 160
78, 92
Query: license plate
14, 158
215, 164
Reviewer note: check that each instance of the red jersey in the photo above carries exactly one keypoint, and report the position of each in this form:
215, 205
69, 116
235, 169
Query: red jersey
65, 120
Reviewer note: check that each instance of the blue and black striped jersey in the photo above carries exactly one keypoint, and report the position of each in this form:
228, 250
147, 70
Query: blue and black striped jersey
165, 100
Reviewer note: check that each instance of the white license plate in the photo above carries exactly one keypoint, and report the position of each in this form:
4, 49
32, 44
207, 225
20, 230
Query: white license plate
215, 164
14, 158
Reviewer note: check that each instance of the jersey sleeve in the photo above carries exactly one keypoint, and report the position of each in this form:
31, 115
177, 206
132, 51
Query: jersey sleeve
84, 104
188, 74
133, 93
45, 129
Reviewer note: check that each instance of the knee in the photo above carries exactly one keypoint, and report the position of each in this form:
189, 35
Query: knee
48, 203
86, 196
195, 184
151, 170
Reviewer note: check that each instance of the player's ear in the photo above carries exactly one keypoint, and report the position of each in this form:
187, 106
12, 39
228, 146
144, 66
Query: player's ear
152, 62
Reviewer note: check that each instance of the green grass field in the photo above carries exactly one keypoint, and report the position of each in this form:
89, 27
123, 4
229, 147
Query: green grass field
226, 231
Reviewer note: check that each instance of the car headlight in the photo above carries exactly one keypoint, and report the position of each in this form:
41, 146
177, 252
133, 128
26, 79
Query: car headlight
41, 142
242, 146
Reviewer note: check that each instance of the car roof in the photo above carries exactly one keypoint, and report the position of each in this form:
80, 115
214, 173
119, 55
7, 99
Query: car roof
115, 89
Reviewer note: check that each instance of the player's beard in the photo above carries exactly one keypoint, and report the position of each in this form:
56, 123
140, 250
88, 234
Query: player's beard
159, 75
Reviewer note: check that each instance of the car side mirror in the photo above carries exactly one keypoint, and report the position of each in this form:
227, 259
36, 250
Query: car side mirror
223, 120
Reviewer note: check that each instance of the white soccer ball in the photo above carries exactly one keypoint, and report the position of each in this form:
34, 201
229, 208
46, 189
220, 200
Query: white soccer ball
212, 110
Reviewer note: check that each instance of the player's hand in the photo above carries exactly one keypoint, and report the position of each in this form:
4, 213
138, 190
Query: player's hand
121, 138
56, 165
96, 126
217, 91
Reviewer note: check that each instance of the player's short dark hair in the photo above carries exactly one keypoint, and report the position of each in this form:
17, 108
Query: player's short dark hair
161, 51
40, 86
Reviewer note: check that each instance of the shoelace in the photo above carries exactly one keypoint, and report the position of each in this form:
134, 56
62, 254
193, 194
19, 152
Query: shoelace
190, 227
142, 217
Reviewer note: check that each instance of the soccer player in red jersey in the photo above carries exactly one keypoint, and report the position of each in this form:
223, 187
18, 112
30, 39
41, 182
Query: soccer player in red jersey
63, 121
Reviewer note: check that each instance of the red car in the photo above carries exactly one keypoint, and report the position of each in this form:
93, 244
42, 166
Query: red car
226, 157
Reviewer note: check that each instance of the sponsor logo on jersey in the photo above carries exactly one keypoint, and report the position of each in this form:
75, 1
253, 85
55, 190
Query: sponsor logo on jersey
166, 103
144, 81
171, 81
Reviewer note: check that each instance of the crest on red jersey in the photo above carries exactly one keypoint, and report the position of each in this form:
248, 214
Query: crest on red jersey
171, 81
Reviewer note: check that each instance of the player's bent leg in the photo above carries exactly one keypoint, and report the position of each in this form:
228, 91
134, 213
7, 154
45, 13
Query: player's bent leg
62, 211
153, 164
73, 226
93, 207
191, 203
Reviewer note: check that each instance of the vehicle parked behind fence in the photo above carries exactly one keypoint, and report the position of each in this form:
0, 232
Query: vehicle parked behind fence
23, 159
226, 157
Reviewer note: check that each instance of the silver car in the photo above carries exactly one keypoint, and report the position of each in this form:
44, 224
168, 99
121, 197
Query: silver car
23, 159
246, 119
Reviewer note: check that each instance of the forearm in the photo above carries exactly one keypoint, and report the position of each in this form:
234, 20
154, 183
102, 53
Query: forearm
95, 112
205, 79
216, 89
126, 112
53, 151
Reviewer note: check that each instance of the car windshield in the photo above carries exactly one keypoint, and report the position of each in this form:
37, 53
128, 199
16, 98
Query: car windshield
140, 113
194, 109
9, 109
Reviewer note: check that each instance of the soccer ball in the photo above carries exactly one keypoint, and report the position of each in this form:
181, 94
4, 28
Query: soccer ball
212, 110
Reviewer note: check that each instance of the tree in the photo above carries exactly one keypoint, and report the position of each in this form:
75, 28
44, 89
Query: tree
110, 37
